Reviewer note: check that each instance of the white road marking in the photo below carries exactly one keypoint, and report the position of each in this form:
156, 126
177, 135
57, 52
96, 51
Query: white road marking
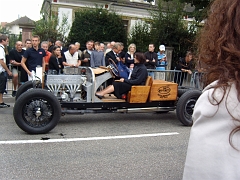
86, 139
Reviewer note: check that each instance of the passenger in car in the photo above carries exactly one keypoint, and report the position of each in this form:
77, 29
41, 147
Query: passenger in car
122, 86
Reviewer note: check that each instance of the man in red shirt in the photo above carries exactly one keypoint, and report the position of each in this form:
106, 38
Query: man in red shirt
44, 45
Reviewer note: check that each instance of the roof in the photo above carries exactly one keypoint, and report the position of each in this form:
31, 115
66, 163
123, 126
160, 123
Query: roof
23, 21
3, 24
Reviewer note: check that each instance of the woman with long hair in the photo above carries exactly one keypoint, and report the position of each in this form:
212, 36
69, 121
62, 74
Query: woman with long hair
55, 61
214, 144
130, 54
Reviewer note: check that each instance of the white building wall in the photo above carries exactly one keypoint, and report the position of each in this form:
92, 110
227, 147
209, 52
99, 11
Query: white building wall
129, 12
15, 29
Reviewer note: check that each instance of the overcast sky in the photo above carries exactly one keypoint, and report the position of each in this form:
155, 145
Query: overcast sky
12, 9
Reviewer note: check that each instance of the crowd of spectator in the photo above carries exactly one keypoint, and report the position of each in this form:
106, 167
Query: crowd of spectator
53, 57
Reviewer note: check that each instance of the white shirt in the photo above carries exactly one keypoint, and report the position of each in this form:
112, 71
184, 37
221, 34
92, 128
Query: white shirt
2, 57
71, 59
209, 154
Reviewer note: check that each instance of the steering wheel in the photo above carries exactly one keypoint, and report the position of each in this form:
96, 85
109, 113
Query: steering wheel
113, 67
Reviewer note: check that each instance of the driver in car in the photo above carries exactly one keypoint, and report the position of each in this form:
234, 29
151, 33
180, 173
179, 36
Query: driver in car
122, 86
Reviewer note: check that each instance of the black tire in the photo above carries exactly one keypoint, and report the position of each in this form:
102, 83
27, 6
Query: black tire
185, 106
26, 86
37, 111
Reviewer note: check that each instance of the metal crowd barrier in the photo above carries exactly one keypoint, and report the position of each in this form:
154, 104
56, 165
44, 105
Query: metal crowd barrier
179, 77
9, 85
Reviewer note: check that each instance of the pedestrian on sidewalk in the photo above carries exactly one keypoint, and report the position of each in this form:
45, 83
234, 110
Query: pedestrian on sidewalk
34, 56
3, 69
15, 57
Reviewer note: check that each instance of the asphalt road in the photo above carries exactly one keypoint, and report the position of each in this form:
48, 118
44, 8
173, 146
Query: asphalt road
95, 146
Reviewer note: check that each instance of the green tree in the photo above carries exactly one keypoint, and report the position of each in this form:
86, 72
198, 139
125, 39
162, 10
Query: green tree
12, 37
200, 8
169, 28
97, 24
199, 4
50, 27
140, 36
63, 28
4, 30
166, 26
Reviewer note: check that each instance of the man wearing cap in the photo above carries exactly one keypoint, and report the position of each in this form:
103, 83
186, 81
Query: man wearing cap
162, 63
162, 58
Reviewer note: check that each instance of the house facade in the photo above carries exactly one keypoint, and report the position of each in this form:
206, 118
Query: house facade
17, 26
130, 10
23, 26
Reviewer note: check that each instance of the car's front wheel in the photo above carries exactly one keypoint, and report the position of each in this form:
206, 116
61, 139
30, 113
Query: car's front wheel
26, 86
37, 111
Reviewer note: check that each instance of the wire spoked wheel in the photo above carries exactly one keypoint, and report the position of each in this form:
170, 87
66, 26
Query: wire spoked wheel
37, 111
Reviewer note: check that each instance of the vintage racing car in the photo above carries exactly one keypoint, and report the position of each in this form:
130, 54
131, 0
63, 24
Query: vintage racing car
39, 106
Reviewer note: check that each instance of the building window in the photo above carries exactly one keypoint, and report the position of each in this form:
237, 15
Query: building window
143, 1
126, 26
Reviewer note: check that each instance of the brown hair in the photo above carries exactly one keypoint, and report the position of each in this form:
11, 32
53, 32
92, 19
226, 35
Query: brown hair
219, 48
140, 57
53, 50
97, 43
36, 36
27, 40
3, 37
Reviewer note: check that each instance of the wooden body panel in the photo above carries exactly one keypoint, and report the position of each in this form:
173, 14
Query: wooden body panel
163, 91
139, 94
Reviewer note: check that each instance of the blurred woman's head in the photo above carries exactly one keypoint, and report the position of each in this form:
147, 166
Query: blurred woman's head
139, 58
219, 46
219, 49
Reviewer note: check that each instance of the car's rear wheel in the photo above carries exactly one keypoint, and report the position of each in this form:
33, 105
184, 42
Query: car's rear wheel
37, 111
185, 106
